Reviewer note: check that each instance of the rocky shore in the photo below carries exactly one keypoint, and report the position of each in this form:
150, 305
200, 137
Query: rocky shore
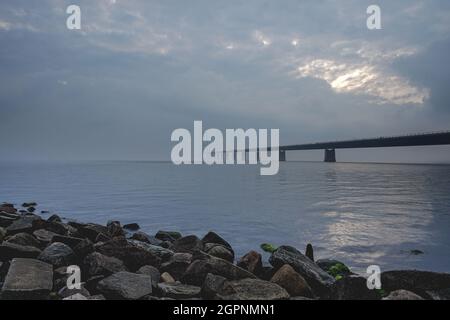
120, 262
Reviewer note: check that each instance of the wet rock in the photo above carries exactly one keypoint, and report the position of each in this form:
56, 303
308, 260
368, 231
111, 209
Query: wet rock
44, 236
403, 295
28, 279
24, 239
167, 278
29, 204
58, 254
415, 281
197, 270
99, 264
252, 289
178, 290
152, 272
22, 225
252, 262
126, 285
219, 251
162, 253
187, 244
290, 280
353, 288
9, 251
309, 252
212, 285
177, 264
131, 226
319, 280
170, 236
143, 237
212, 237
70, 241
115, 229
133, 256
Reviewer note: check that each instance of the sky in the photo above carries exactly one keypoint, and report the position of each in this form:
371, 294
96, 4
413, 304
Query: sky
137, 70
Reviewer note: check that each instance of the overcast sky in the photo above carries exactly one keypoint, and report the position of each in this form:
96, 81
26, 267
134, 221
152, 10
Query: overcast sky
139, 69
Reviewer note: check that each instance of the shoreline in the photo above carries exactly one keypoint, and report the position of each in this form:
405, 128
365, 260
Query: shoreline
121, 262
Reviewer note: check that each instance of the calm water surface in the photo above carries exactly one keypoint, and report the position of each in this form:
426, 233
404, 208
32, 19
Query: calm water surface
361, 214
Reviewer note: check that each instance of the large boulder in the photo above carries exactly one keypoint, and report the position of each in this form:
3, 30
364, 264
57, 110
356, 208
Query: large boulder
403, 295
24, 239
252, 262
219, 251
212, 237
189, 244
170, 236
353, 288
99, 264
125, 286
212, 285
416, 281
58, 254
90, 231
177, 265
319, 280
251, 289
163, 253
28, 279
152, 272
9, 251
24, 224
44, 236
293, 282
179, 291
197, 270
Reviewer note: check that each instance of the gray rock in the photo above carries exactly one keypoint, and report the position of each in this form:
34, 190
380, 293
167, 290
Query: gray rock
83, 248
403, 295
54, 218
177, 264
293, 282
91, 231
70, 241
212, 285
252, 289
2, 234
143, 237
24, 239
353, 288
58, 254
187, 244
415, 281
6, 221
24, 224
152, 272
212, 237
99, 264
170, 236
319, 280
162, 253
126, 285
197, 270
28, 279
44, 236
115, 229
131, 226
29, 204
179, 291
9, 251
167, 278
219, 251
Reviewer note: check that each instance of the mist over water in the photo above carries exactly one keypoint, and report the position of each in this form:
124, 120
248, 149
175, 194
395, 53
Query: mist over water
361, 214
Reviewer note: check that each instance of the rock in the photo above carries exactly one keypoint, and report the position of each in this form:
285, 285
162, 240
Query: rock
415, 281
132, 226
91, 231
99, 264
31, 209
334, 267
2, 234
177, 264
24, 239
290, 280
267, 273
58, 254
7, 208
219, 251
212, 237
70, 241
353, 288
443, 294
115, 229
198, 270
6, 221
162, 253
83, 248
66, 292
28, 279
44, 236
179, 291
133, 256
126, 285
29, 204
101, 237
143, 237
252, 289
319, 280
309, 252
97, 297
9, 251
167, 278
24, 224
76, 296
212, 285
152, 272
54, 218
55, 227
170, 236
252, 262
403, 295
92, 283
187, 244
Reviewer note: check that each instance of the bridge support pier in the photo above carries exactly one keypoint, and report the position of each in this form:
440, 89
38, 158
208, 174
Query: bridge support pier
330, 155
282, 155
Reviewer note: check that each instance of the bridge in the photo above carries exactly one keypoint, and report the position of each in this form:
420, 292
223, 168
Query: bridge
422, 139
